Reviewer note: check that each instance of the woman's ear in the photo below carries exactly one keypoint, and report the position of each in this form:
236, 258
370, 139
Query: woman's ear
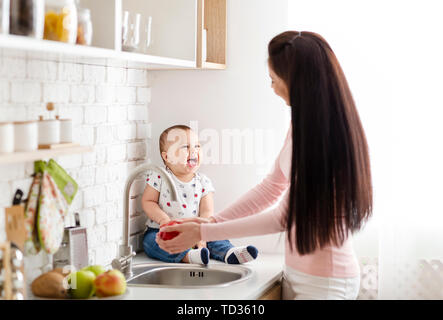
164, 156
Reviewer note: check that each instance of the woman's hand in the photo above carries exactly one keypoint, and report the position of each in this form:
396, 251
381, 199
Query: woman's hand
189, 236
198, 220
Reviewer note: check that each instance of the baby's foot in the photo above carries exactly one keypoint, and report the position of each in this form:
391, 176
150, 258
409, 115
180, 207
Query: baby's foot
239, 255
199, 256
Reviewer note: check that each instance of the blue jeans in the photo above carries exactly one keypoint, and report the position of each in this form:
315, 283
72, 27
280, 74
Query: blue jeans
217, 249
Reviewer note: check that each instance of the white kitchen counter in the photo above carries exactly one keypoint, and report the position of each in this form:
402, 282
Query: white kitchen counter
267, 269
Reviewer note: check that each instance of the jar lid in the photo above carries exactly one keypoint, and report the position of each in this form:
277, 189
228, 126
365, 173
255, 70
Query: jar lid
58, 3
84, 12
25, 122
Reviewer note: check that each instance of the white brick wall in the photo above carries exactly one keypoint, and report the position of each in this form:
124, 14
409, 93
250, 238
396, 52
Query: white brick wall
25, 92
82, 94
109, 109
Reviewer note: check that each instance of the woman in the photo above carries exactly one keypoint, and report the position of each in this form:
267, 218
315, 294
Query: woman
323, 171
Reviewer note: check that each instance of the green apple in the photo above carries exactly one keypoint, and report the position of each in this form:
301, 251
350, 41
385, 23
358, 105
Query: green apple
97, 269
82, 284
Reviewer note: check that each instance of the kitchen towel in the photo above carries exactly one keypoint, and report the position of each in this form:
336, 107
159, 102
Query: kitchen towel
51, 193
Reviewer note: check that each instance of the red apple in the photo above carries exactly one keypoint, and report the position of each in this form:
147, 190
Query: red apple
168, 235
110, 283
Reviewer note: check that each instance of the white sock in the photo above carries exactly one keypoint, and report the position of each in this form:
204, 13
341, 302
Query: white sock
199, 256
239, 255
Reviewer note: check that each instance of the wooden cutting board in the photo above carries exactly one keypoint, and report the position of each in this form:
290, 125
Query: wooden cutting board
15, 225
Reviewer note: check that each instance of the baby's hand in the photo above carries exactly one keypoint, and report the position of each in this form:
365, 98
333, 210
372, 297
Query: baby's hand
164, 221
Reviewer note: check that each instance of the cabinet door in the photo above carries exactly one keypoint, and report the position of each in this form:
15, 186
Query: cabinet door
173, 26
274, 293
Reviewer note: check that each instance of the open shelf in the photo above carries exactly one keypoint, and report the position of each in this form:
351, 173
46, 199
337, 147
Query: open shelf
177, 36
17, 157
61, 50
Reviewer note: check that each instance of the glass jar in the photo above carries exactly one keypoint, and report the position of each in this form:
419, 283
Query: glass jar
25, 136
84, 30
4, 16
61, 21
26, 18
130, 32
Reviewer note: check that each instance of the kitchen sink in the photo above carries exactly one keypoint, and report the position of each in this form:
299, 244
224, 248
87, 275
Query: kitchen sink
178, 275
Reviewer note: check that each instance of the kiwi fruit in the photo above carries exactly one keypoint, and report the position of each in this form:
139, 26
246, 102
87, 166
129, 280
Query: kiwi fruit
49, 285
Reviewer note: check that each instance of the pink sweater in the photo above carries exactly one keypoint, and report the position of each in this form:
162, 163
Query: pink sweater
245, 218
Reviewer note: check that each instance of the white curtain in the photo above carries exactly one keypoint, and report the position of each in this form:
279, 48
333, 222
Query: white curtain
392, 55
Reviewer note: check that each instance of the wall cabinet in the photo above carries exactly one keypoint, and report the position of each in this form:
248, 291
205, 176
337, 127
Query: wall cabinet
184, 34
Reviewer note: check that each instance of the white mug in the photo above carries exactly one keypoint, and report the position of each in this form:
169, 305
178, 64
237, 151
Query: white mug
48, 132
6, 137
25, 136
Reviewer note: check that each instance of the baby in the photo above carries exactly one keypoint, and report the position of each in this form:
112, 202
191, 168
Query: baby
180, 151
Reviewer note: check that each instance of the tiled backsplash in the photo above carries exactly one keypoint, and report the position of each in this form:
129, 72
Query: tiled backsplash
109, 107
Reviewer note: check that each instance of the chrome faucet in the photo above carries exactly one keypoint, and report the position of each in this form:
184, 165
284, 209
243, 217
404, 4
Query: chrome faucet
124, 261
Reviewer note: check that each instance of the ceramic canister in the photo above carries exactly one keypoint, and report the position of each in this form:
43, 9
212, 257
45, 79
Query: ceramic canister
6, 137
48, 131
25, 136
65, 130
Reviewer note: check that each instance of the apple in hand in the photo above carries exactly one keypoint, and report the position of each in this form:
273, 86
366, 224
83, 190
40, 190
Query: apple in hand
110, 283
168, 235
82, 284
97, 269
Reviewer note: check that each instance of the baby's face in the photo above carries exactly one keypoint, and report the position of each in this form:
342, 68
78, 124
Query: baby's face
183, 153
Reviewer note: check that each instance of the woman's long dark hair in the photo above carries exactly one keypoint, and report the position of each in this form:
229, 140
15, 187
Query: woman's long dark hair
331, 188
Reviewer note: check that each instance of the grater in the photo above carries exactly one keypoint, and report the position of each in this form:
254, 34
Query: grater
74, 247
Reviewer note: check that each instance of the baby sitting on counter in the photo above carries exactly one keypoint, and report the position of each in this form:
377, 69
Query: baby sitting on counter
180, 151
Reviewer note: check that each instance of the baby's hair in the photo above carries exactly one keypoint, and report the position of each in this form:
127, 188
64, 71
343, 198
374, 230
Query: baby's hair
164, 135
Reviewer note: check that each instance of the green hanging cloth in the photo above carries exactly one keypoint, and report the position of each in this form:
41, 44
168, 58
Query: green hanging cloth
65, 183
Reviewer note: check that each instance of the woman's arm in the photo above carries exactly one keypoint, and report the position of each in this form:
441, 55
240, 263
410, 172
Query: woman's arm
151, 207
264, 194
272, 221
259, 198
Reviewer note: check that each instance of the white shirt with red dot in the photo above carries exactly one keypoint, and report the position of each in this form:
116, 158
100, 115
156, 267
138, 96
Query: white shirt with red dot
189, 195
